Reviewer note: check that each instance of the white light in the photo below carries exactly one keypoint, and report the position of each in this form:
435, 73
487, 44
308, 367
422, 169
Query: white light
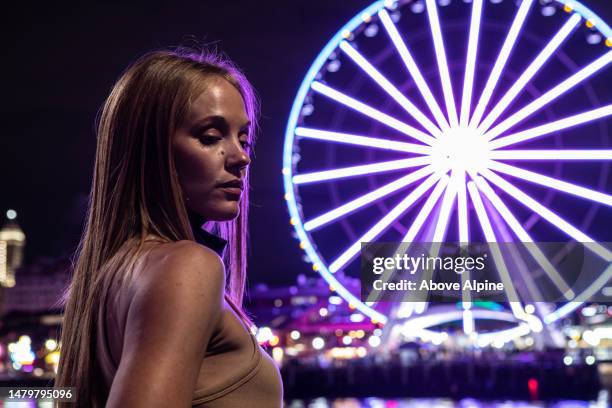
589, 311
335, 300
565, 154
384, 83
551, 95
590, 360
374, 341
529, 309
354, 171
460, 149
359, 140
264, 334
367, 198
591, 338
417, 7
384, 222
372, 113
318, 343
323, 312
548, 11
357, 318
409, 62
51, 344
346, 340
593, 38
529, 73
550, 216
447, 88
295, 335
568, 360
11, 214
500, 63
551, 182
470, 64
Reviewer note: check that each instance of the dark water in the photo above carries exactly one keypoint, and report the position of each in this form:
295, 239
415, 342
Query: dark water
442, 403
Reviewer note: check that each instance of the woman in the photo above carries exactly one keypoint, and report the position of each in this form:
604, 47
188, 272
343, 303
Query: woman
152, 318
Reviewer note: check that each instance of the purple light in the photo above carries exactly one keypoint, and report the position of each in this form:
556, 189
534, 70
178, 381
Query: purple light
426, 210
373, 113
384, 222
550, 182
389, 88
367, 198
551, 95
413, 68
358, 140
549, 128
462, 211
470, 64
548, 215
445, 209
502, 58
353, 171
447, 88
533, 68
535, 155
502, 269
523, 236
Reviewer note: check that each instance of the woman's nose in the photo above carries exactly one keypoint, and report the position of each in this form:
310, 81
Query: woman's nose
238, 157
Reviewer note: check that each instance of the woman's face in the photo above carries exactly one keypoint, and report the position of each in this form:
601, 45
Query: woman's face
211, 151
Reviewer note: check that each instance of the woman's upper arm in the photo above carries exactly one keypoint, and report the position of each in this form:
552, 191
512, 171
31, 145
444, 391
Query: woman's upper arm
175, 307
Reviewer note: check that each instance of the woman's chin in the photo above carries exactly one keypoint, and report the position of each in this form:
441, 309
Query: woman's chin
227, 213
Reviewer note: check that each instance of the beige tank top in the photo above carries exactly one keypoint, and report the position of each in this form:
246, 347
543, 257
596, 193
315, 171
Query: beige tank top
235, 372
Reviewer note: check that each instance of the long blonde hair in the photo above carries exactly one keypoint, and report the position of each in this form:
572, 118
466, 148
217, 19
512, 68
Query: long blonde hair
136, 193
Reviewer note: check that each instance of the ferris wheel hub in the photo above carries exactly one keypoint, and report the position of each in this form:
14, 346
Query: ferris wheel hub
461, 149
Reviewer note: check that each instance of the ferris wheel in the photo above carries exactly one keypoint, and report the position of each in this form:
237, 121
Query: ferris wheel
458, 121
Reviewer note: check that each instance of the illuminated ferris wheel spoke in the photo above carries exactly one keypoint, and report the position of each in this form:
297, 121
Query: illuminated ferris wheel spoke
548, 215
366, 169
413, 69
436, 32
384, 83
470, 64
440, 231
384, 222
500, 265
462, 212
500, 63
447, 205
525, 238
358, 140
550, 182
416, 226
548, 128
529, 73
426, 210
550, 95
368, 198
372, 113
535, 155
413, 230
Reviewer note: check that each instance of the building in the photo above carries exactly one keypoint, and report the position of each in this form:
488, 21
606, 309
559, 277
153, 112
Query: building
12, 246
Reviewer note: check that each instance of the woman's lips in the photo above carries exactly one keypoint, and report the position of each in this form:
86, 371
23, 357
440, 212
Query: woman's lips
232, 190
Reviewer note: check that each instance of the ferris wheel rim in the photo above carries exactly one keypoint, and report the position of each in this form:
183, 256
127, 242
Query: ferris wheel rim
290, 188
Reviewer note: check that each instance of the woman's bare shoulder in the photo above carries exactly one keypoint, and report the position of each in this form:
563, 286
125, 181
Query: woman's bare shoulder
176, 304
181, 261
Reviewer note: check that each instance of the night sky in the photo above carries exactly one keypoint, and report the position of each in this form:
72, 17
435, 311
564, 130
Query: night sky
60, 60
